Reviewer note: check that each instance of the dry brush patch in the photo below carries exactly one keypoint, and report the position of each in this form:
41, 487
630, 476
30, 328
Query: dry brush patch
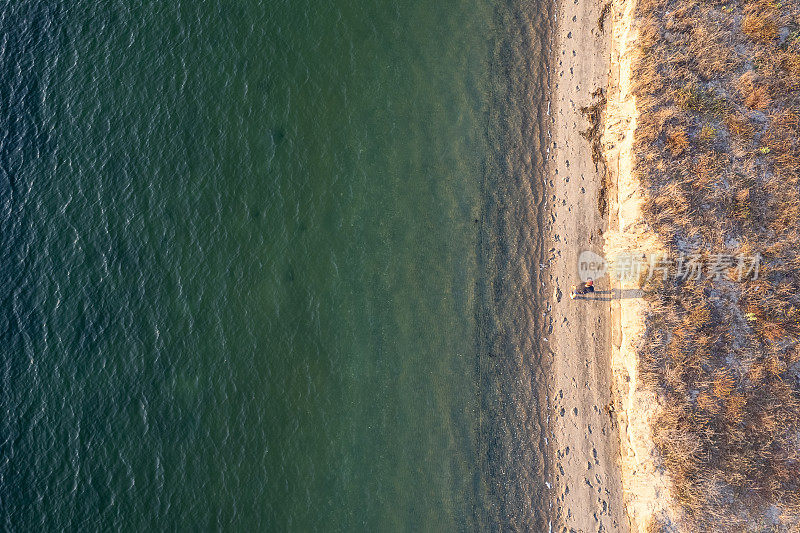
594, 116
717, 149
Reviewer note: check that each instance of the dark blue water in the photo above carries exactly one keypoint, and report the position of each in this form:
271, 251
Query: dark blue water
271, 264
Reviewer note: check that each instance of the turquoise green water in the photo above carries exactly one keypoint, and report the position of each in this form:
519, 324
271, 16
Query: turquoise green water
243, 267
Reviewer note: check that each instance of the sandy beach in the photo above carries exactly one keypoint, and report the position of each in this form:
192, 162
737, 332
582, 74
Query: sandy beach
588, 488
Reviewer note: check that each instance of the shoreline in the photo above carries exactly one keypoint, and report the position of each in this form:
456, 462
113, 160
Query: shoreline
587, 490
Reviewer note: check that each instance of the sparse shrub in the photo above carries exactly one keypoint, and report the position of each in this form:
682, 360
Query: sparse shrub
758, 98
741, 205
760, 28
740, 126
700, 100
677, 140
746, 83
707, 133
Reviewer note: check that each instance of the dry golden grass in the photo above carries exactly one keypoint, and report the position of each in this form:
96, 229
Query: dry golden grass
711, 56
707, 133
655, 526
758, 98
760, 28
740, 126
677, 140
717, 150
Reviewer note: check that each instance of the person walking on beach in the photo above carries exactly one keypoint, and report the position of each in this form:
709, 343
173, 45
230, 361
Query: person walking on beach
582, 288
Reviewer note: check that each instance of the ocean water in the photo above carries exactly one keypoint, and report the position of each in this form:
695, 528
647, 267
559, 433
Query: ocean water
271, 264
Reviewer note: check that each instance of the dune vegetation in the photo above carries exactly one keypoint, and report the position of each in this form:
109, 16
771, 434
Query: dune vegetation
717, 147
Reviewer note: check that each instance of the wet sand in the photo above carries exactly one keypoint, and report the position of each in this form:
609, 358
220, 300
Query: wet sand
587, 491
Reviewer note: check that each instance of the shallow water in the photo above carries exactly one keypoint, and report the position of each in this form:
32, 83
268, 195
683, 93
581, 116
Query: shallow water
271, 264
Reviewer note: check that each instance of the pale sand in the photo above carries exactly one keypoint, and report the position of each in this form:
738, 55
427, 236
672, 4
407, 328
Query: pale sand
587, 488
645, 488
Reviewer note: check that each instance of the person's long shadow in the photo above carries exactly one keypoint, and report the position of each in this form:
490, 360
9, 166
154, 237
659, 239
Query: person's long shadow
613, 294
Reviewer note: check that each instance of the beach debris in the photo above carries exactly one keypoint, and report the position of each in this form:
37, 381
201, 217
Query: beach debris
604, 12
594, 115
